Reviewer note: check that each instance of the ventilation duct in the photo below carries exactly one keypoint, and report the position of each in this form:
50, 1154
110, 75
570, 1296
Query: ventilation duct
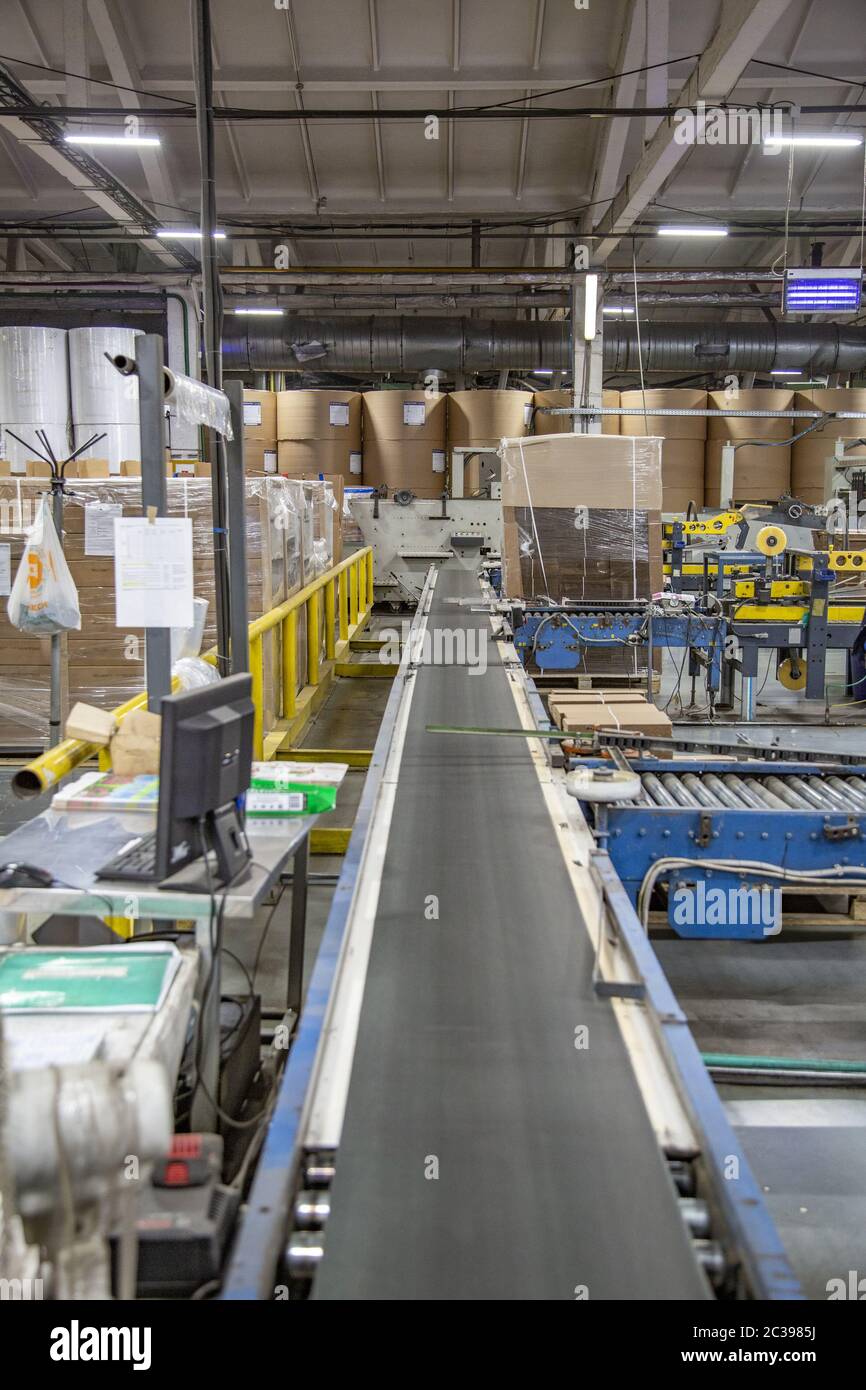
369, 344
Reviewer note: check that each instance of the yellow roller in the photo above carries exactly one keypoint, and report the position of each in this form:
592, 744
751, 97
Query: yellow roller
787, 677
771, 540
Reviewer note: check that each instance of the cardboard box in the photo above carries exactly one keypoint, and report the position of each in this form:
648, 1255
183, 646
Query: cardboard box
92, 468
90, 724
582, 517
135, 747
638, 717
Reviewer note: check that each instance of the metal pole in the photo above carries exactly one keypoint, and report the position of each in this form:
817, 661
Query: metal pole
55, 716
212, 304
237, 531
151, 413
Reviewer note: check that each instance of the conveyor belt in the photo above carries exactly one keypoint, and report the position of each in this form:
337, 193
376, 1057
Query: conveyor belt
549, 1175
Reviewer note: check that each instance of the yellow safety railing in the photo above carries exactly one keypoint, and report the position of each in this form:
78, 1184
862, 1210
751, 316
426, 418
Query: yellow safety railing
339, 600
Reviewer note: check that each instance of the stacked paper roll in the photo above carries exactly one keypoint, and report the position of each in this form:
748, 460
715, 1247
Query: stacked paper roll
260, 431
103, 401
566, 424
809, 455
404, 441
485, 417
684, 439
761, 473
319, 432
34, 392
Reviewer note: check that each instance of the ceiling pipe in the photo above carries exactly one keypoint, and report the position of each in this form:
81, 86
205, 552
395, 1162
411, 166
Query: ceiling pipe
368, 343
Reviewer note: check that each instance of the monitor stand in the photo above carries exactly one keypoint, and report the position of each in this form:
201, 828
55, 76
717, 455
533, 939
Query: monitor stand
226, 840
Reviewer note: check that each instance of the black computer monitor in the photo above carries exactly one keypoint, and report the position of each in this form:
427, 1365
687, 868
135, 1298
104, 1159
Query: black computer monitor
205, 765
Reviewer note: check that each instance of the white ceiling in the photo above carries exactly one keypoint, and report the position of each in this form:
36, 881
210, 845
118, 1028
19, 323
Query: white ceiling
420, 54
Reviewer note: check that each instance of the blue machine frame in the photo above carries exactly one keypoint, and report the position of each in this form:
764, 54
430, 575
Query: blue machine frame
798, 841
556, 639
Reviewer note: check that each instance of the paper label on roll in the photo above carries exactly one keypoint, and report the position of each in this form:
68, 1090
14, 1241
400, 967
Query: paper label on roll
438, 460
414, 412
338, 413
527, 414
186, 469
355, 463
252, 414
270, 461
114, 468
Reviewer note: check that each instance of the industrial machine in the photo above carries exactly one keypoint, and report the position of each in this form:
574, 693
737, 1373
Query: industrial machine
410, 533
719, 841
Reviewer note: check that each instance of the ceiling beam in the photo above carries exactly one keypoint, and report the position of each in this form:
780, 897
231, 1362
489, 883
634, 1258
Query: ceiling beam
115, 44
538, 36
743, 27
611, 149
312, 177
657, 51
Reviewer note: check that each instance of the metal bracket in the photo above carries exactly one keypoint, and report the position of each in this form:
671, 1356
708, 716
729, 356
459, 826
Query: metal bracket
704, 836
849, 831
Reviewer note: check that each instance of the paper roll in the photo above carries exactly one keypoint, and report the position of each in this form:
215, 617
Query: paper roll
100, 395
34, 382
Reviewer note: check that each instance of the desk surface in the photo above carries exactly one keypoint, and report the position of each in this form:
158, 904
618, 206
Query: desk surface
72, 845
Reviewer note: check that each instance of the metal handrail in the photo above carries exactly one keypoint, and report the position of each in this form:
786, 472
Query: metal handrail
348, 598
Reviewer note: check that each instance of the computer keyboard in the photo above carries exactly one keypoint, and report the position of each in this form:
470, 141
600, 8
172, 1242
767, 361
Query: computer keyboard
137, 863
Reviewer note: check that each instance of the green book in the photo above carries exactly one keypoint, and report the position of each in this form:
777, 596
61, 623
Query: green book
121, 979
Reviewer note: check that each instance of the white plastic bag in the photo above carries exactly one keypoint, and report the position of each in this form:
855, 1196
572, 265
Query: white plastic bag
44, 599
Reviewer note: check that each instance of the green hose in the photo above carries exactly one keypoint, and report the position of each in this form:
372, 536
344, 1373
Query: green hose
731, 1059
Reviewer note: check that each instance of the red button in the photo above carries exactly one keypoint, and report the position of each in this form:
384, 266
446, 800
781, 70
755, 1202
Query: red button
176, 1174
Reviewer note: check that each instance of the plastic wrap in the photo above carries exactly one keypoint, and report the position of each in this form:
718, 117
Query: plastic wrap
193, 673
194, 403
581, 517
104, 665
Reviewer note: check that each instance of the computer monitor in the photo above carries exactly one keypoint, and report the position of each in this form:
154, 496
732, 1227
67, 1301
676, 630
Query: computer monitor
205, 765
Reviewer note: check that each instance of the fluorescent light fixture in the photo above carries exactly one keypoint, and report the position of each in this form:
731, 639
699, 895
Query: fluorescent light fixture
782, 371
186, 234
819, 141
536, 371
617, 309
136, 141
590, 307
692, 229
261, 313
822, 290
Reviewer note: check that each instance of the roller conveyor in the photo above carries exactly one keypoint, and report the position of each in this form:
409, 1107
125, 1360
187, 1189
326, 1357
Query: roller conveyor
482, 1155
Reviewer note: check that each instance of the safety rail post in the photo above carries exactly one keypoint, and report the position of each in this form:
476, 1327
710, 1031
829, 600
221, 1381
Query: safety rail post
313, 638
290, 663
362, 586
330, 639
258, 675
353, 593
370, 581
343, 597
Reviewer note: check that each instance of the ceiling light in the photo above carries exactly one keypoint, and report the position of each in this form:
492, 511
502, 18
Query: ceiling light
186, 233
693, 229
542, 371
261, 313
618, 309
136, 141
590, 307
826, 141
782, 371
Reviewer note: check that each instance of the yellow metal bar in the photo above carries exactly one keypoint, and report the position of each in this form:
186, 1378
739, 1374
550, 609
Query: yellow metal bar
313, 638
371, 670
48, 769
370, 583
343, 600
290, 663
330, 641
334, 840
353, 757
258, 675
353, 595
362, 588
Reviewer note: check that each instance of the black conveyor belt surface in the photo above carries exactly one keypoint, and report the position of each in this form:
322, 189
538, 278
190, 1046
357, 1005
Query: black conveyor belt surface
549, 1175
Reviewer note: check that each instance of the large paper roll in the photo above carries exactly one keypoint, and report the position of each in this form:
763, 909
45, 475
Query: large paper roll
34, 381
100, 395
